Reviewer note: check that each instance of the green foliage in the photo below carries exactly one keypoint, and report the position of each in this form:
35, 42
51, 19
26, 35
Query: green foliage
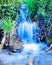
9, 8
31, 5
41, 11
37, 7
7, 24
44, 7
9, 2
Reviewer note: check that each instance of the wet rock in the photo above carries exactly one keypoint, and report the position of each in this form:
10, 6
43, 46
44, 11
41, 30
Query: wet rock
45, 25
30, 61
16, 44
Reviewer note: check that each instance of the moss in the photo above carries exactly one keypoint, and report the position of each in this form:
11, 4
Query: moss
49, 40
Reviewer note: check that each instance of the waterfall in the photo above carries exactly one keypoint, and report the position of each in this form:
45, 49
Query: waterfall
26, 30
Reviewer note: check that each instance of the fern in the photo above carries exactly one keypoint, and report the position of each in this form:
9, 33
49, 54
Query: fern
7, 24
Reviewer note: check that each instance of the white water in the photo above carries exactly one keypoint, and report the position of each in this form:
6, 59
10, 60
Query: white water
27, 30
27, 33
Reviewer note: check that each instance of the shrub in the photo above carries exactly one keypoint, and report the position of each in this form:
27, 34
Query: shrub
31, 6
7, 24
9, 8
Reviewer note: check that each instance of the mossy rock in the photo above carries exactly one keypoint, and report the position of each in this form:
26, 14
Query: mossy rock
49, 40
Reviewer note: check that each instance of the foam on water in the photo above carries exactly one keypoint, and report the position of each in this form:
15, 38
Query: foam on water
27, 32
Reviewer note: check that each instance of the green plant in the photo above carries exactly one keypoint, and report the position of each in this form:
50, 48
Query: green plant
9, 1
9, 8
37, 7
44, 7
49, 40
31, 6
7, 24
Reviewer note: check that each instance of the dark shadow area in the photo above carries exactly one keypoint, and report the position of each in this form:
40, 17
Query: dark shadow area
1, 34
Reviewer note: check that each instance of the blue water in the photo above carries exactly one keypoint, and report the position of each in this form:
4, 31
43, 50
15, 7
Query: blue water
27, 32
21, 59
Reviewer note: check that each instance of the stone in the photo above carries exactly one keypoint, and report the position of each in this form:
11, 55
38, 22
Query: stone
16, 44
30, 61
2, 43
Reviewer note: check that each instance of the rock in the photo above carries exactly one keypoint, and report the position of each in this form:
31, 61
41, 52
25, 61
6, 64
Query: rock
2, 43
30, 61
49, 40
16, 44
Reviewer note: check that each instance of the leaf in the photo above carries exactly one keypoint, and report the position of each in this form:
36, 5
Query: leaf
7, 24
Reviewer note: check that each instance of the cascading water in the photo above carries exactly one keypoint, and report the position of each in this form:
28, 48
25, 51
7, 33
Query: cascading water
27, 31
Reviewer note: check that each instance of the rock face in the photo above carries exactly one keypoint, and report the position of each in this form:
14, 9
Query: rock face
2, 43
16, 43
19, 59
45, 25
